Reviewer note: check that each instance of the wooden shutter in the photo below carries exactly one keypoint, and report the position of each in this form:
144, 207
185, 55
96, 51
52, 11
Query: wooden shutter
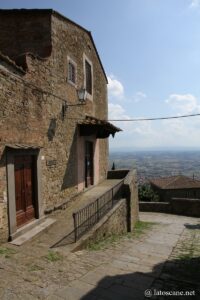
88, 71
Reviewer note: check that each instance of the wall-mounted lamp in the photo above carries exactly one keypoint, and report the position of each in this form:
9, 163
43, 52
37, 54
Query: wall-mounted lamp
82, 95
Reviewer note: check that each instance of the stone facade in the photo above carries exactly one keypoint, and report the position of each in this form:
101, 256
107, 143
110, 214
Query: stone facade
32, 98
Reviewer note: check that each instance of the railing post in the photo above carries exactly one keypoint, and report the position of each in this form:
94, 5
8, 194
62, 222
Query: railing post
112, 197
98, 209
75, 227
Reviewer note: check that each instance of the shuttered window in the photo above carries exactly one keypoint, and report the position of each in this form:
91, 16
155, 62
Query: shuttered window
88, 74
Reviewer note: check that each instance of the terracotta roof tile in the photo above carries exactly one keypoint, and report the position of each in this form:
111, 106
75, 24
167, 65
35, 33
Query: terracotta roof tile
94, 121
175, 182
93, 126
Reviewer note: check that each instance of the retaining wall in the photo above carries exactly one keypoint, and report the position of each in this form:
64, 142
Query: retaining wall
115, 221
178, 206
122, 217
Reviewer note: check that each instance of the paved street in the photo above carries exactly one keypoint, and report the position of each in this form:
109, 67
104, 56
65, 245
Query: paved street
165, 258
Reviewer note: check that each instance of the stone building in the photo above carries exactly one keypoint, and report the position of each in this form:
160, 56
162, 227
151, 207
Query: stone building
176, 187
53, 143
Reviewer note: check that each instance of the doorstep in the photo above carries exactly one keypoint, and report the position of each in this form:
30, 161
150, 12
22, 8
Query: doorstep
31, 230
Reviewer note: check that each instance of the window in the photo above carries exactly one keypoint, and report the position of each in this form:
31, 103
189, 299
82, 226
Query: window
71, 71
88, 77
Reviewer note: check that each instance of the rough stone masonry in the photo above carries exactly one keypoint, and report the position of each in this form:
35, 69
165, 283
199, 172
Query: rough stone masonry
35, 48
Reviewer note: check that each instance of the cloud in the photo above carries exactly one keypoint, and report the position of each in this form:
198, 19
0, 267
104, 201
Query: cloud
115, 88
174, 128
143, 134
139, 96
167, 133
195, 3
183, 103
116, 112
116, 92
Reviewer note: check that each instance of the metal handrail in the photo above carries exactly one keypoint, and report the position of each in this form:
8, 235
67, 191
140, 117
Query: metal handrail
89, 215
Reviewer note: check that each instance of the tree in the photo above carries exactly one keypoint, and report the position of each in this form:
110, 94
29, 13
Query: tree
146, 193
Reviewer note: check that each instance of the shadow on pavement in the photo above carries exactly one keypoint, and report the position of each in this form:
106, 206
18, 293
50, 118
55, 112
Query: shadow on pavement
192, 226
173, 276
66, 240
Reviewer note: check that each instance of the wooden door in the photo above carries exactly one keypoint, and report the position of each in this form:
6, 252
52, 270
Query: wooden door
88, 163
24, 189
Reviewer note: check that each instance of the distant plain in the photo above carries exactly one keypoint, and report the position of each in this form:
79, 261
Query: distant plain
158, 163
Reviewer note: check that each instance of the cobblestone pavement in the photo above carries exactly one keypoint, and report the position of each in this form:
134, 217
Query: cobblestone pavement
165, 258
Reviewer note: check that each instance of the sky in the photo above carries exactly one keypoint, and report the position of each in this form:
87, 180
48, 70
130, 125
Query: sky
150, 50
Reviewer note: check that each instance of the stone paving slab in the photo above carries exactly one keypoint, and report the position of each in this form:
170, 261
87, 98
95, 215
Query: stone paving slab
159, 259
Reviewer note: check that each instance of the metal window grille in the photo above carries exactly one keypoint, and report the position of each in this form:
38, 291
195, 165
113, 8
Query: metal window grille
71, 72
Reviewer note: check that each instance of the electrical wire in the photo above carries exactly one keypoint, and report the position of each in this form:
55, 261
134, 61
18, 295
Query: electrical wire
153, 119
34, 87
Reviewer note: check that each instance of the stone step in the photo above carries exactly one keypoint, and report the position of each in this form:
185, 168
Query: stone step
32, 232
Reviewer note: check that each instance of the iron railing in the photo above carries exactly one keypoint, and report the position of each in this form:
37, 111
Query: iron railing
88, 216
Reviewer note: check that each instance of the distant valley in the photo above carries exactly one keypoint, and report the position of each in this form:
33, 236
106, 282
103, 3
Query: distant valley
158, 163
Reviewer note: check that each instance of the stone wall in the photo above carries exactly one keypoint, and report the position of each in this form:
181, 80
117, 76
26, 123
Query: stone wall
163, 207
115, 222
31, 103
122, 217
25, 31
166, 195
130, 192
178, 206
117, 174
185, 207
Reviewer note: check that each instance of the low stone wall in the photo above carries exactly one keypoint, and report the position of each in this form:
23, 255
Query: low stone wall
130, 192
115, 221
117, 174
123, 215
186, 207
131, 195
163, 207
177, 206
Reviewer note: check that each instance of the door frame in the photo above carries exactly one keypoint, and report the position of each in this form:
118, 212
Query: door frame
92, 180
10, 155
25, 168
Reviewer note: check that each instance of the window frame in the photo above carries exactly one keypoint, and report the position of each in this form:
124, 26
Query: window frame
86, 59
74, 64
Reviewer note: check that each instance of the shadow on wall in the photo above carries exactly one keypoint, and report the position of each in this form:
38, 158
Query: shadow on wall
178, 275
51, 130
70, 178
3, 159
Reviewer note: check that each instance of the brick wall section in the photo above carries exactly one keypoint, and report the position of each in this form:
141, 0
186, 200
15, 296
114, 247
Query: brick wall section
28, 116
